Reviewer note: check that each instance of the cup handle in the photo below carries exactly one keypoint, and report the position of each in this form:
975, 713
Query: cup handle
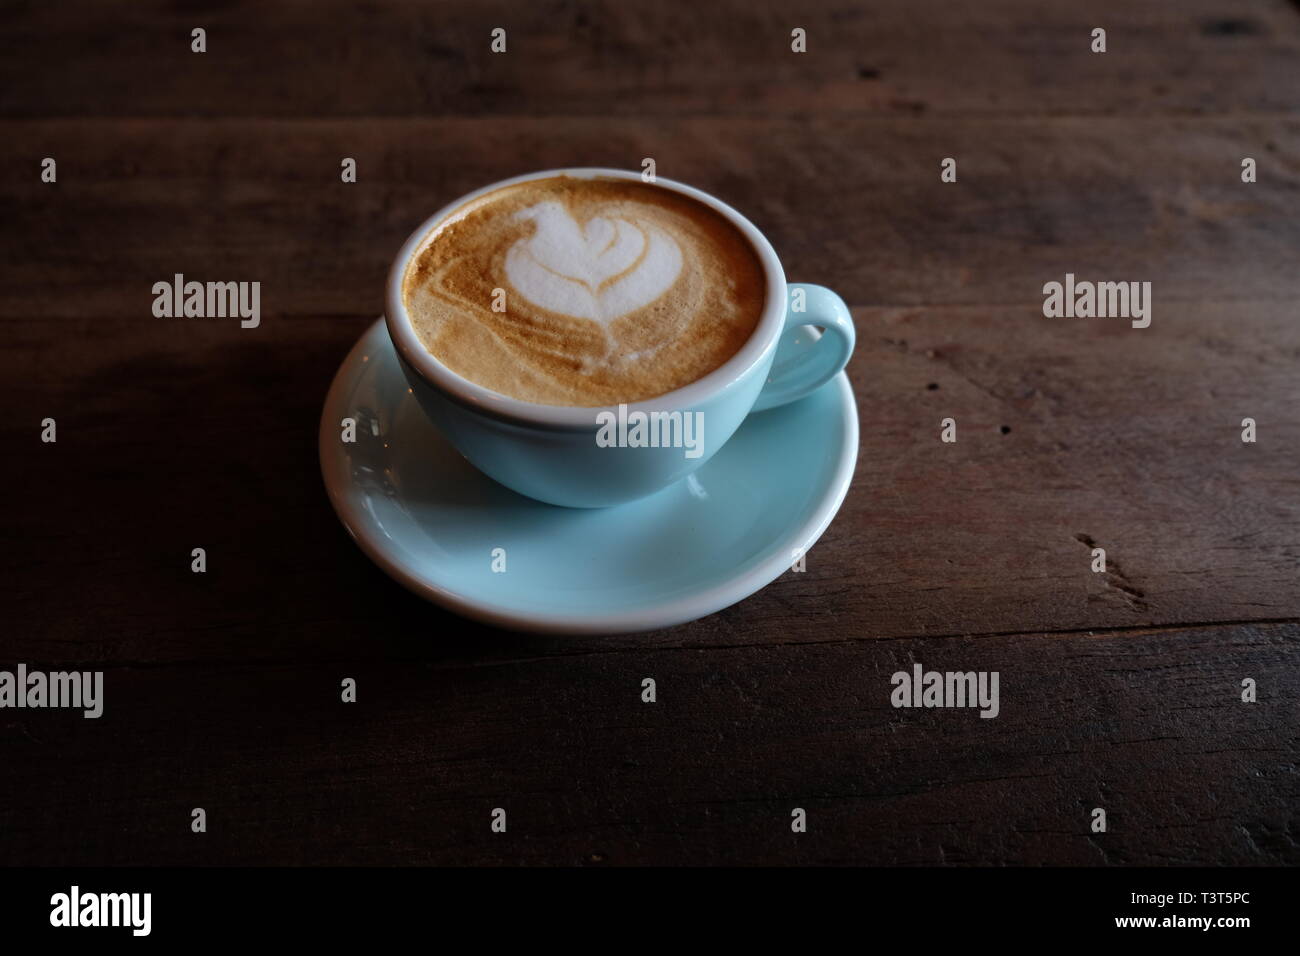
805, 361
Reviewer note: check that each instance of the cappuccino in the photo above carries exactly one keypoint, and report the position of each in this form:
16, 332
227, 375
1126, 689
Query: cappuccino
584, 292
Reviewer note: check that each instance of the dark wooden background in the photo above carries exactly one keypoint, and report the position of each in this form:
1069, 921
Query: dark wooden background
1118, 690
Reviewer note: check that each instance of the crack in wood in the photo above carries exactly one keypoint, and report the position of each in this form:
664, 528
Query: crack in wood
1115, 577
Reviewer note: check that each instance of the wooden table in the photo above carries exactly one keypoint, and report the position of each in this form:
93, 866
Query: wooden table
1120, 690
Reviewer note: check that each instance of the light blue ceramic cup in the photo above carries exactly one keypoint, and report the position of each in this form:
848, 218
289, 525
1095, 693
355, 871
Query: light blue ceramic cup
580, 457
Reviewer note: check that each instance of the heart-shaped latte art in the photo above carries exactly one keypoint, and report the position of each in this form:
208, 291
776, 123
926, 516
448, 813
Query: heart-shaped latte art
600, 271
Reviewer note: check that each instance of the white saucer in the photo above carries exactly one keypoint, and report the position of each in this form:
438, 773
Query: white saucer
433, 522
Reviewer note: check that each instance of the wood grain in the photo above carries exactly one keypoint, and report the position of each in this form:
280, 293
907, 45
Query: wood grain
856, 204
1128, 439
610, 58
1145, 724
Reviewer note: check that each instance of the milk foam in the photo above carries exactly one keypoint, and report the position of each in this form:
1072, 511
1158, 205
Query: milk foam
599, 271
587, 292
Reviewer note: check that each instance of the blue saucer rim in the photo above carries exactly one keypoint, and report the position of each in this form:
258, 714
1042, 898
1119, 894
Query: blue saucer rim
679, 611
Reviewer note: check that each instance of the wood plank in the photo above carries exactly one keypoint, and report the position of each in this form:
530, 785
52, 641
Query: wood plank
853, 203
1145, 724
1123, 439
288, 59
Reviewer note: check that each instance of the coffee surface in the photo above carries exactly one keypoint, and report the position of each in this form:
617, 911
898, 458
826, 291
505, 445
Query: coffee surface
568, 291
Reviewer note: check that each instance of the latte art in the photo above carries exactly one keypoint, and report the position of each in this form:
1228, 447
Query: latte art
569, 291
600, 271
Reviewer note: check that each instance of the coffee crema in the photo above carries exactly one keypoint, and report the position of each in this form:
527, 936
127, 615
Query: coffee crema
584, 292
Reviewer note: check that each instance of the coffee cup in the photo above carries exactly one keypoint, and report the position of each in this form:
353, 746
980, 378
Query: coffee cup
591, 456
